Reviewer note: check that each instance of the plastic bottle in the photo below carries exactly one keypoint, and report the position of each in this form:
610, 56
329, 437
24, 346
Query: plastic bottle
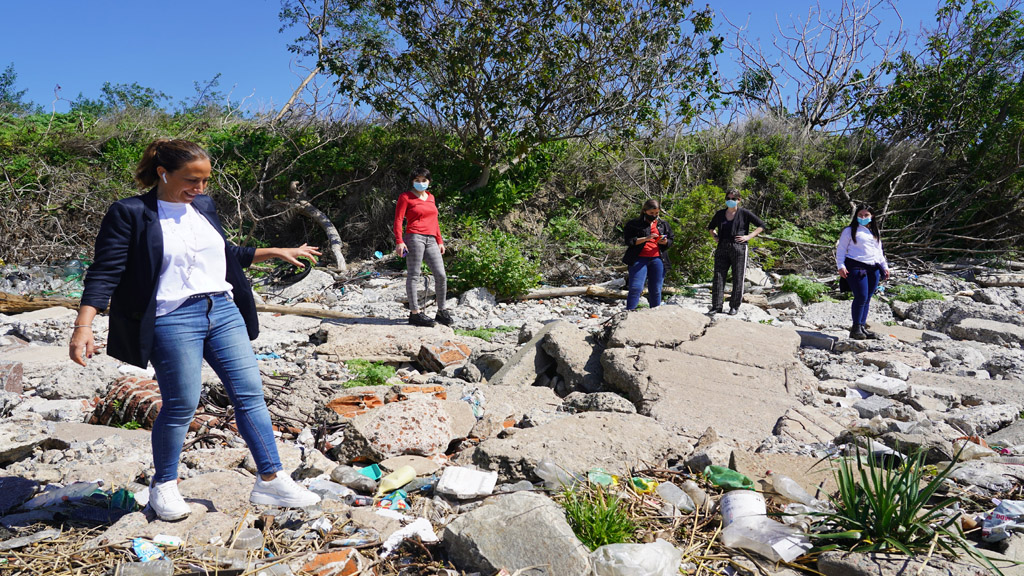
697, 494
727, 478
790, 489
229, 557
396, 479
354, 479
248, 539
280, 569
675, 496
773, 540
152, 568
554, 476
69, 493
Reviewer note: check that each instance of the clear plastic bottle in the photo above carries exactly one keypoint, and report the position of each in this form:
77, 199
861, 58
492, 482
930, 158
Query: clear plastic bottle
675, 496
697, 494
248, 539
790, 489
554, 476
151, 568
69, 493
229, 557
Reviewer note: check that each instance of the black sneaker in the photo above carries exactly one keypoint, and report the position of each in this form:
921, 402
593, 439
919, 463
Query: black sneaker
714, 311
444, 317
421, 319
734, 311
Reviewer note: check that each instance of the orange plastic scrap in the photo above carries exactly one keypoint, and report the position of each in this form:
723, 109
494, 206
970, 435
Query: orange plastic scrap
355, 404
328, 563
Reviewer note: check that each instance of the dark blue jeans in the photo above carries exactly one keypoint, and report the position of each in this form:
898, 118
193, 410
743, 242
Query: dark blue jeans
863, 280
212, 328
653, 271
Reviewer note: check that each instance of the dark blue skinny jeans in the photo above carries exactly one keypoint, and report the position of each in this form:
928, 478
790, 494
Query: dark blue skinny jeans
863, 280
651, 270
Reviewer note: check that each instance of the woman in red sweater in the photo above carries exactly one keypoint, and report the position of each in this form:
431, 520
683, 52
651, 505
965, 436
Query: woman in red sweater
421, 241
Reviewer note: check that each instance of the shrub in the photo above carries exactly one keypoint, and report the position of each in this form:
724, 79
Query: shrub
908, 293
496, 260
692, 251
807, 290
596, 517
366, 373
486, 334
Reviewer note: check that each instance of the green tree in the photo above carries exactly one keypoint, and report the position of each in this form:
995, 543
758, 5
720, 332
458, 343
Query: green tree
119, 97
505, 76
954, 115
11, 99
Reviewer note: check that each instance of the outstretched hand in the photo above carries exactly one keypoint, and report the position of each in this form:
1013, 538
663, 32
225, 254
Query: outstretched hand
292, 255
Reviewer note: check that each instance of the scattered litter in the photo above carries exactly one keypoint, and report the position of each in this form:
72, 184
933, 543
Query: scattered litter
420, 527
727, 478
268, 356
658, 558
145, 550
465, 483
22, 541
1000, 523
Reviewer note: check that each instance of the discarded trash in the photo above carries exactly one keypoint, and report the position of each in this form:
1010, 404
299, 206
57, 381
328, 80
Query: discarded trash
155, 568
372, 472
658, 558
765, 536
602, 478
421, 484
675, 496
966, 449
122, 499
790, 489
554, 476
697, 494
229, 557
465, 483
420, 527
22, 541
397, 500
396, 479
248, 539
354, 479
268, 356
279, 569
322, 525
357, 500
378, 254
330, 490
1001, 522
69, 493
146, 550
741, 504
167, 540
643, 485
727, 478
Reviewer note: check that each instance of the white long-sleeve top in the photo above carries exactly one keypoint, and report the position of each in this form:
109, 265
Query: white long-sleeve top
867, 249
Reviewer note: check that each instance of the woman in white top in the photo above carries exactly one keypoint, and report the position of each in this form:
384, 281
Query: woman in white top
859, 259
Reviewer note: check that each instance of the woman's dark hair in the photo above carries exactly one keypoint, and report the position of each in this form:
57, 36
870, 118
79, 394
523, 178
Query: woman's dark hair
651, 204
419, 173
873, 226
170, 154
733, 192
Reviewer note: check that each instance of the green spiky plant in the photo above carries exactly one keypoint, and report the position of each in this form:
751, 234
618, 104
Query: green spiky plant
892, 509
597, 517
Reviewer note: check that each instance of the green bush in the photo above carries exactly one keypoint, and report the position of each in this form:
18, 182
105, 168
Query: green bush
572, 238
496, 260
692, 251
808, 290
597, 518
908, 293
366, 373
486, 334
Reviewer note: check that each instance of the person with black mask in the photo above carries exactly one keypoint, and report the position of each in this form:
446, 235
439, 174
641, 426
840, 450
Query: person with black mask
647, 239
730, 227
859, 259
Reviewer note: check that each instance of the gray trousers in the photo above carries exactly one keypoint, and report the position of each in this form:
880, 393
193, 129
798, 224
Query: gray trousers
729, 256
423, 247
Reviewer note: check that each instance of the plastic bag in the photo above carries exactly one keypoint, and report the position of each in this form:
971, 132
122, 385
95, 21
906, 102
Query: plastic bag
771, 539
727, 478
1000, 523
554, 476
658, 558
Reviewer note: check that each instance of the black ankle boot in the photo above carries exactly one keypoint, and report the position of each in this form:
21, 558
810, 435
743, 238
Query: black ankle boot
857, 332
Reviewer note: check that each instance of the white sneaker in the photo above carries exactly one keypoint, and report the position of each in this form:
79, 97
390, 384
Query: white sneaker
282, 491
167, 502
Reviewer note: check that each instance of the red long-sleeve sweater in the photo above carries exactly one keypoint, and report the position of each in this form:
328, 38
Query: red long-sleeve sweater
420, 216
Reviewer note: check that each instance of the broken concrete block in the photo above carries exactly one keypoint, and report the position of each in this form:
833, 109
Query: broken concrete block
11, 374
437, 357
578, 355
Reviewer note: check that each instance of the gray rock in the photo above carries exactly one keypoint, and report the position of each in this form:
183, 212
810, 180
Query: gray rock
785, 301
837, 563
374, 340
993, 332
1012, 435
971, 391
20, 434
982, 420
577, 354
313, 284
931, 336
576, 442
837, 314
419, 425
882, 385
480, 299
62, 410
898, 370
522, 532
527, 363
663, 327
991, 476
935, 447
597, 402
872, 406
763, 346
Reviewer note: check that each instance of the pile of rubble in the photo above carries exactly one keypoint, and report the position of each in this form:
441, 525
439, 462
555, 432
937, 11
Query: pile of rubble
466, 426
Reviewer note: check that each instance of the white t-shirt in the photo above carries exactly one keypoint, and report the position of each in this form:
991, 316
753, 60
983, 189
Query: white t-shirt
866, 249
194, 261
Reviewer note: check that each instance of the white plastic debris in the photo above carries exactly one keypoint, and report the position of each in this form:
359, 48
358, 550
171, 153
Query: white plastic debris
420, 527
658, 558
465, 483
1000, 523
773, 540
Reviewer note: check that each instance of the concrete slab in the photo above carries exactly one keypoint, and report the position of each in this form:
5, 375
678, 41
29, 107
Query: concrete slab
747, 343
664, 327
971, 390
378, 340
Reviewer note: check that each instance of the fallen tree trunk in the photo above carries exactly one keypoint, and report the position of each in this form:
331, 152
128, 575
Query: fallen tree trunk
593, 291
304, 311
999, 280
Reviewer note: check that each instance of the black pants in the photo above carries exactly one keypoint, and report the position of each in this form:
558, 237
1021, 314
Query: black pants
729, 255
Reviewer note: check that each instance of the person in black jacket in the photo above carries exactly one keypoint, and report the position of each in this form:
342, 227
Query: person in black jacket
177, 296
730, 227
647, 239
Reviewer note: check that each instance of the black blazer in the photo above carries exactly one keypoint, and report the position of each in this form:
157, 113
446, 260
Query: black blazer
637, 228
126, 269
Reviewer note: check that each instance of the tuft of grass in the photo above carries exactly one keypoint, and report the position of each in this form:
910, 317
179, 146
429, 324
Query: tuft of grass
130, 425
908, 293
883, 509
484, 333
597, 517
366, 373
808, 290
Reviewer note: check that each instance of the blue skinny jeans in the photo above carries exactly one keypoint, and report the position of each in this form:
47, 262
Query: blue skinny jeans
651, 270
863, 280
207, 327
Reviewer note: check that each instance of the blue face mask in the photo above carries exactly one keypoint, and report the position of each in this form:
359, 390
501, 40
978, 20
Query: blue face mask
731, 203
864, 221
420, 186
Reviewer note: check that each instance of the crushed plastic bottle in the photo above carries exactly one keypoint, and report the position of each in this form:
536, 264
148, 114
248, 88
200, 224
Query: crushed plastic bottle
230, 557
554, 476
658, 558
602, 478
354, 479
69, 493
248, 539
773, 540
697, 494
152, 568
790, 489
675, 496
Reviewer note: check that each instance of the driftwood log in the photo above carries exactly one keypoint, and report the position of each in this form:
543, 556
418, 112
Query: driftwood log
592, 291
999, 280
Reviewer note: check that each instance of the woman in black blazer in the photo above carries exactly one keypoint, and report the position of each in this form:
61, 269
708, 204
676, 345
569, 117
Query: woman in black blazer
647, 239
177, 296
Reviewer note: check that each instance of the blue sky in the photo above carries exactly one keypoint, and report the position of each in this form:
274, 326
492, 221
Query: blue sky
80, 44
